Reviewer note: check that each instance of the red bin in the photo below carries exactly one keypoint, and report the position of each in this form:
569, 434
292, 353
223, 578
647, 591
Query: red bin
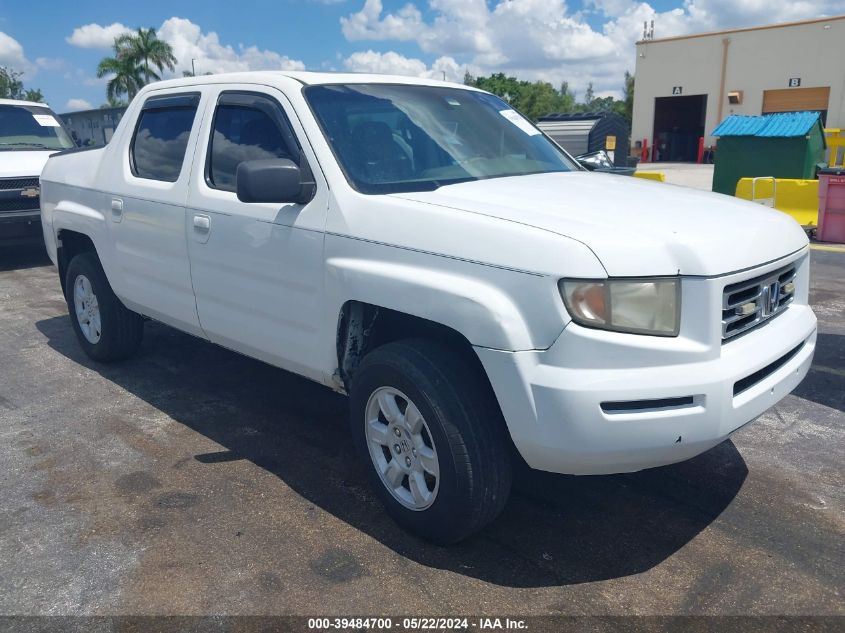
831, 226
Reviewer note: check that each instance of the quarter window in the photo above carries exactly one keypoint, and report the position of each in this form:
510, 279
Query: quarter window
245, 132
161, 137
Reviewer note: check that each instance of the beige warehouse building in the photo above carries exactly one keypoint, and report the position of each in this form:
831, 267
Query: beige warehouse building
686, 85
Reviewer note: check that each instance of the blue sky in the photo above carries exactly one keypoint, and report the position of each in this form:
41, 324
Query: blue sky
580, 41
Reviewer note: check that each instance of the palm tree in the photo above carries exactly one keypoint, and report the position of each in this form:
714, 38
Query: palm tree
114, 102
126, 75
149, 52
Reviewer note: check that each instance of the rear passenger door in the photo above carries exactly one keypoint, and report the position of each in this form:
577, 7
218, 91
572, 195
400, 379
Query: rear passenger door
257, 268
145, 210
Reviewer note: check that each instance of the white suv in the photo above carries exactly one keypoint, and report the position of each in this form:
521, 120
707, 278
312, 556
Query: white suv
425, 249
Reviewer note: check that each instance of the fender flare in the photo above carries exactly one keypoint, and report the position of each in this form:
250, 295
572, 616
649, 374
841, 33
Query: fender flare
478, 310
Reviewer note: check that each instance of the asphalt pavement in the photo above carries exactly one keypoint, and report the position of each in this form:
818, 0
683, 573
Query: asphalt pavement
193, 480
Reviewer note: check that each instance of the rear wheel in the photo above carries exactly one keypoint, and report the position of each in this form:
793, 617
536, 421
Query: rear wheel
432, 436
105, 328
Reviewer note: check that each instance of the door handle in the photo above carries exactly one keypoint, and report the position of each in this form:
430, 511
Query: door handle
116, 209
202, 223
202, 228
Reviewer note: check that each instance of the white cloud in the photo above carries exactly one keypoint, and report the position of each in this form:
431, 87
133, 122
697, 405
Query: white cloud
368, 23
12, 55
542, 39
51, 63
717, 14
209, 55
189, 42
393, 63
390, 63
610, 8
96, 35
77, 104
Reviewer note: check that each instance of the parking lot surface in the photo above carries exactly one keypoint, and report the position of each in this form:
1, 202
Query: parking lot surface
684, 174
192, 480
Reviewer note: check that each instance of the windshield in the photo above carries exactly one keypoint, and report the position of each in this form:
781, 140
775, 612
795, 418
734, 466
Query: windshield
398, 138
31, 127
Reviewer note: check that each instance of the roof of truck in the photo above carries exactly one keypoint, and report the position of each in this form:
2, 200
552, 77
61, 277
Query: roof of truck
18, 102
304, 77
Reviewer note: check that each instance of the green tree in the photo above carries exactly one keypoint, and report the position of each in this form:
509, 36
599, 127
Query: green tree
138, 59
538, 98
149, 52
114, 102
33, 94
629, 97
11, 87
589, 96
533, 99
592, 103
125, 75
500, 85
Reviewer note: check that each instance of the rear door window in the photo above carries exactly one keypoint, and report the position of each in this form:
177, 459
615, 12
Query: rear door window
161, 137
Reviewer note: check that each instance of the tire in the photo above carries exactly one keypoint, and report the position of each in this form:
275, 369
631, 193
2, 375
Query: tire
105, 328
462, 429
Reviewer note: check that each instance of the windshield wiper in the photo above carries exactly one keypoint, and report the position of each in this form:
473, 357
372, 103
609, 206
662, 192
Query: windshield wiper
453, 181
38, 145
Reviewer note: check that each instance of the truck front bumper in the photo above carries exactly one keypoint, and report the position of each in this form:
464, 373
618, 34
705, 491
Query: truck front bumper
20, 227
601, 402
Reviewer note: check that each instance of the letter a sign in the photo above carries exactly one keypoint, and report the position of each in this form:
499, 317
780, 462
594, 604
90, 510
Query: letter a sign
677, 90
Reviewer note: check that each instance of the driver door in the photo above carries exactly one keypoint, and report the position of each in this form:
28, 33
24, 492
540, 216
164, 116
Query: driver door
257, 268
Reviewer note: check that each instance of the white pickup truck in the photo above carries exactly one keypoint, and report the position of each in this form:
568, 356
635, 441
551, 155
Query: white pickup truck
423, 248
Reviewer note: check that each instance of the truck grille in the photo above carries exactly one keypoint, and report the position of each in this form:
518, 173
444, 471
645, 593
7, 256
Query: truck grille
30, 204
19, 194
748, 304
18, 183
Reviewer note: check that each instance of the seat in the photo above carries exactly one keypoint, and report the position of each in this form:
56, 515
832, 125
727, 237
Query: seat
382, 158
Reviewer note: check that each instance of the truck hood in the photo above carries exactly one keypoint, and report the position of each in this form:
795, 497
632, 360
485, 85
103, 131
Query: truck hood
20, 164
635, 227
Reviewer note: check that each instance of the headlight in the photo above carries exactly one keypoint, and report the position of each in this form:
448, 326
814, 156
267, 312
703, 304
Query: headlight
639, 306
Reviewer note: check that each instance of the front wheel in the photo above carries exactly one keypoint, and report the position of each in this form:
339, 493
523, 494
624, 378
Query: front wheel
432, 436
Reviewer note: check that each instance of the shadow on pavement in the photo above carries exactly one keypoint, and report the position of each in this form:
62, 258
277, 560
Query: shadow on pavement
556, 530
823, 384
20, 257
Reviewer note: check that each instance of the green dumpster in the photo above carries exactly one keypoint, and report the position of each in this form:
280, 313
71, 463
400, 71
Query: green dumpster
782, 145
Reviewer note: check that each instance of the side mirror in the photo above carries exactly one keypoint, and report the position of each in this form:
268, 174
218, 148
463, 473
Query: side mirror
274, 180
595, 160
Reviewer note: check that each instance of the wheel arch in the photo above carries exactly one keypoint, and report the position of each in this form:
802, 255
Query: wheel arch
363, 327
69, 244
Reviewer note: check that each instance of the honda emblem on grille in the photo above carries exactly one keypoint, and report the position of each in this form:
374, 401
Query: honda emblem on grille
30, 192
770, 298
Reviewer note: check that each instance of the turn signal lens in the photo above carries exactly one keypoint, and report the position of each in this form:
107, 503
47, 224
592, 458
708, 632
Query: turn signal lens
637, 306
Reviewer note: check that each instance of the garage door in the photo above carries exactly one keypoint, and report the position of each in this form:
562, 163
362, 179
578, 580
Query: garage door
795, 99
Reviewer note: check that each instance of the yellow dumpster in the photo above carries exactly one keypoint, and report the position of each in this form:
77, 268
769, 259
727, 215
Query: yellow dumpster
795, 197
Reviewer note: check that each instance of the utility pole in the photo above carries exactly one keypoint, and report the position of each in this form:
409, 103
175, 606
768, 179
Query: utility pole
193, 69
